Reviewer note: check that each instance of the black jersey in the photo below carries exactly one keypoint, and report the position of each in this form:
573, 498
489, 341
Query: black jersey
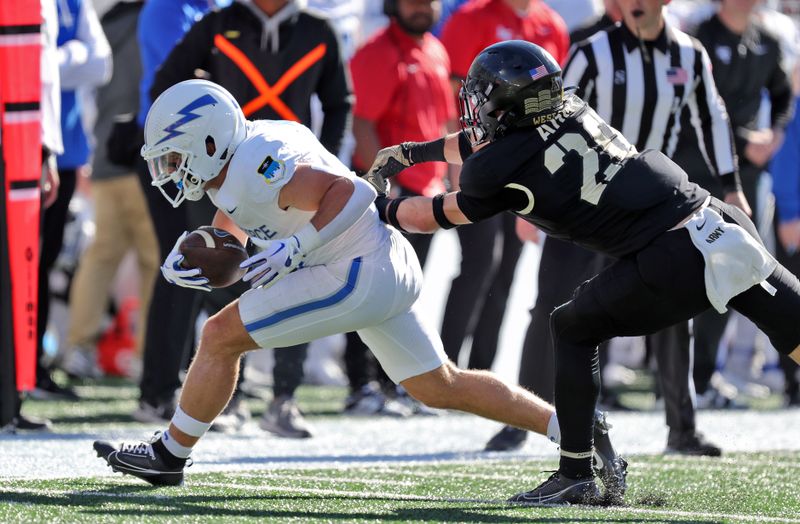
578, 179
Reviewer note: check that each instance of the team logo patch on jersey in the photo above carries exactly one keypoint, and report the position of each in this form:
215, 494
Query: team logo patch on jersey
271, 169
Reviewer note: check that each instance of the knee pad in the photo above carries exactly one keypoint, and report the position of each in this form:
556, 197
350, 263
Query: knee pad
569, 325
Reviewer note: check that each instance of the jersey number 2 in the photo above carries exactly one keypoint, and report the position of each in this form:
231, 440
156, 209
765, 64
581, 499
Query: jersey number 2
611, 143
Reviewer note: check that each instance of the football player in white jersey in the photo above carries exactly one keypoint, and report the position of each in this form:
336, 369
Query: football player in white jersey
327, 265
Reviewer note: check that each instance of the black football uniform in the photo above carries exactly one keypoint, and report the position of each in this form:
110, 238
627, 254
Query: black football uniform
578, 179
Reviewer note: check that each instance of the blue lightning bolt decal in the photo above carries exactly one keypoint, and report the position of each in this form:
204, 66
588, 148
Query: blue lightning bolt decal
188, 116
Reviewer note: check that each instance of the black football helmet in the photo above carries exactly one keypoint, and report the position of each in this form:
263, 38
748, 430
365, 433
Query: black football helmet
509, 84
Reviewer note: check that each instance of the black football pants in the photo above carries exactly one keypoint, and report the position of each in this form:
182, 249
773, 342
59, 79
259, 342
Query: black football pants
661, 285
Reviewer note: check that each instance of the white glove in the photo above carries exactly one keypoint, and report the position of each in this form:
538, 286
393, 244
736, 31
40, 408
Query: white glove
276, 260
180, 276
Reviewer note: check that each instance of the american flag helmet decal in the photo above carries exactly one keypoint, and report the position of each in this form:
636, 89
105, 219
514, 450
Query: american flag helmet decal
538, 72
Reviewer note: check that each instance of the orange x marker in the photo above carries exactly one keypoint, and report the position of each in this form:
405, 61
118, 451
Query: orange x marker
269, 95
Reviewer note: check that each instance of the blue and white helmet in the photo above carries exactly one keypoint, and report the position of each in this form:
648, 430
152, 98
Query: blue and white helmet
191, 132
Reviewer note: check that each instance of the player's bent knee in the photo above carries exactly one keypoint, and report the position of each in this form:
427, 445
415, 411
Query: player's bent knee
567, 325
435, 389
224, 334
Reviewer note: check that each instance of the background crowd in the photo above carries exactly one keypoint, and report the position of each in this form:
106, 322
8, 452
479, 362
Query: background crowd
364, 74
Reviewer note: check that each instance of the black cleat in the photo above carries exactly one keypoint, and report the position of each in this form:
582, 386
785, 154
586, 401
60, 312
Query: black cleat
140, 460
507, 439
608, 466
560, 490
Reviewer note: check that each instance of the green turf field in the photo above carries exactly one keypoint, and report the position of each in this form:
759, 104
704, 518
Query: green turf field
662, 490
757, 487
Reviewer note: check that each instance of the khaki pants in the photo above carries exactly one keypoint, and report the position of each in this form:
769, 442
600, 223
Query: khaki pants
122, 222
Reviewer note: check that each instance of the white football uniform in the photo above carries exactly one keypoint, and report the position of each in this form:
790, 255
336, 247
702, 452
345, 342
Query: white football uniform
366, 279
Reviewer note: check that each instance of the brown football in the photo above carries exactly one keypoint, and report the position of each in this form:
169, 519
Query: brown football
216, 252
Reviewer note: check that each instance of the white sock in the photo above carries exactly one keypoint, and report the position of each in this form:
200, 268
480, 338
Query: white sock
553, 429
173, 447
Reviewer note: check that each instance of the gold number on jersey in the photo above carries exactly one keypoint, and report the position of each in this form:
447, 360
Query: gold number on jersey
613, 144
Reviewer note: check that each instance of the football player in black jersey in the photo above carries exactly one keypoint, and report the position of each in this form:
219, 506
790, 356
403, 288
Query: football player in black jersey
529, 149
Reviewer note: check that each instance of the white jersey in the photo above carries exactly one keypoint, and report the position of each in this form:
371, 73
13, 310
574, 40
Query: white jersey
263, 163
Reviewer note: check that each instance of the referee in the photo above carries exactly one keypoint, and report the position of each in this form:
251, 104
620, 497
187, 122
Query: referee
641, 76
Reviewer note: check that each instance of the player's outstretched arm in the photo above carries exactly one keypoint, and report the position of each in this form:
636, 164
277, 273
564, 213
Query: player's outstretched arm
390, 161
422, 214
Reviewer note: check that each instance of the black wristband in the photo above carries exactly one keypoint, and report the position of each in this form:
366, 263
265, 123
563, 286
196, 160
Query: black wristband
381, 202
391, 214
387, 210
464, 146
417, 152
438, 212
730, 182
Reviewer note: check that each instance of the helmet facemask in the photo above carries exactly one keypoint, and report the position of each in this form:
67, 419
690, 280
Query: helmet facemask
172, 173
172, 176
477, 111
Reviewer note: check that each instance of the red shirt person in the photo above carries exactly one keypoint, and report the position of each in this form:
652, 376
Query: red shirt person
401, 82
481, 23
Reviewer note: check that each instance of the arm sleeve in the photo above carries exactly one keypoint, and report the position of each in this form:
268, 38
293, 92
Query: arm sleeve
86, 60
712, 124
336, 95
477, 208
190, 53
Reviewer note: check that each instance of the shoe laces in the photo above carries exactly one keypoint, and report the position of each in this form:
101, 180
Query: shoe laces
138, 448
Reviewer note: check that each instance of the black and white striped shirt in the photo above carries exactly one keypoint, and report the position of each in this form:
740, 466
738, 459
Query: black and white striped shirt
645, 95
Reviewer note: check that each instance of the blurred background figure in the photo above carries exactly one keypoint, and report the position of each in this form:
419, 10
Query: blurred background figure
85, 63
748, 67
401, 84
122, 220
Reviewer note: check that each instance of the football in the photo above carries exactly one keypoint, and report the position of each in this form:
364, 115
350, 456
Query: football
216, 253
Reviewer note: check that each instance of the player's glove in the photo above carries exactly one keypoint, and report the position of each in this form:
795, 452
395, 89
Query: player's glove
276, 260
172, 270
388, 162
